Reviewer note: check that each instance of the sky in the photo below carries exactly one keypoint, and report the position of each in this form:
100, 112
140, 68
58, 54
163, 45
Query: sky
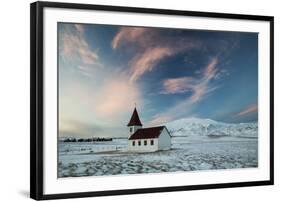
168, 74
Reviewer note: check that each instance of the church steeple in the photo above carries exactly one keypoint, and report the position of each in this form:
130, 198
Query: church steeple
135, 119
134, 123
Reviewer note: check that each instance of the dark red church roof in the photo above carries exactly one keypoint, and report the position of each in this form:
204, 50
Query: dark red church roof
146, 133
135, 119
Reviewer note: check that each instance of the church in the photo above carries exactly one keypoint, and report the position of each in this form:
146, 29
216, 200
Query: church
147, 139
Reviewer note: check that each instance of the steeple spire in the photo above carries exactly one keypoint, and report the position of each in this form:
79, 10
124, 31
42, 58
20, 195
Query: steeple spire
135, 120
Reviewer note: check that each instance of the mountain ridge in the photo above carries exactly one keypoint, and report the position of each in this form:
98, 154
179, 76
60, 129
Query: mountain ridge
208, 127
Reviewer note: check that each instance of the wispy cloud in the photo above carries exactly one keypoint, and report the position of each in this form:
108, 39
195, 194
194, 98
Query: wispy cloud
160, 119
128, 34
248, 110
199, 87
107, 99
88, 70
203, 86
147, 60
151, 48
178, 85
74, 45
210, 70
80, 28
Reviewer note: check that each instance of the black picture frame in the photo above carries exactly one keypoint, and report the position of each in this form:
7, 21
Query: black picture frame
37, 98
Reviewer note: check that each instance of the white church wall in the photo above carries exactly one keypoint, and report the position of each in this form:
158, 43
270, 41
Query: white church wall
164, 140
143, 148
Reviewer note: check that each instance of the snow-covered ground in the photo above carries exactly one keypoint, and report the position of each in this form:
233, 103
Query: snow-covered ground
196, 145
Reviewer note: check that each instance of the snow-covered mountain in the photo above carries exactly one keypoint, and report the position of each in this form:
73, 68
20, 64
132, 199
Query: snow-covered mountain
209, 127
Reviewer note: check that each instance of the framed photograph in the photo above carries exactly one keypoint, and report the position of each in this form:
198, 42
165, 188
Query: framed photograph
136, 100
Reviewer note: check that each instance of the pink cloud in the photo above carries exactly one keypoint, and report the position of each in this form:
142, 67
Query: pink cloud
148, 57
198, 93
160, 119
107, 102
79, 27
130, 34
150, 48
178, 85
116, 97
74, 45
249, 110
203, 85
211, 70
147, 60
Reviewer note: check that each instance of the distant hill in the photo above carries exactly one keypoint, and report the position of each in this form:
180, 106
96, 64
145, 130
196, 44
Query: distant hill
209, 127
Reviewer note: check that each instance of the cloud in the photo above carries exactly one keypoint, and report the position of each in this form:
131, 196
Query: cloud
117, 96
80, 28
150, 48
222, 73
107, 104
90, 71
178, 85
202, 86
199, 87
74, 45
147, 60
210, 70
128, 34
249, 110
159, 119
